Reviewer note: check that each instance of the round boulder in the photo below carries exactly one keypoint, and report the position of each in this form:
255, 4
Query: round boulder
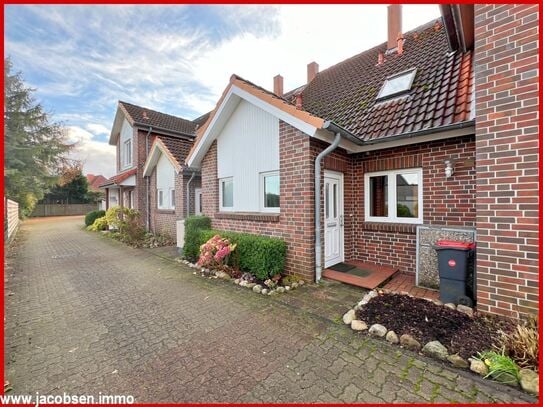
436, 350
358, 325
378, 330
409, 342
392, 337
349, 317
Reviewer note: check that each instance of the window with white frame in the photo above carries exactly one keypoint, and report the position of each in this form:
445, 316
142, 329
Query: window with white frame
269, 191
226, 194
127, 153
172, 198
394, 196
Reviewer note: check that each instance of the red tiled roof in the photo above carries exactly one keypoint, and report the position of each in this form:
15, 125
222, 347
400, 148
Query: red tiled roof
95, 181
178, 148
119, 178
440, 95
143, 115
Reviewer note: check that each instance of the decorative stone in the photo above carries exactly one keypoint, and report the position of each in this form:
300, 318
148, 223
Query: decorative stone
366, 298
250, 285
409, 342
223, 275
280, 289
436, 350
236, 281
392, 337
272, 292
358, 325
478, 366
378, 330
349, 317
458, 361
529, 381
264, 291
243, 283
301, 282
257, 288
450, 305
287, 288
464, 309
438, 302
294, 286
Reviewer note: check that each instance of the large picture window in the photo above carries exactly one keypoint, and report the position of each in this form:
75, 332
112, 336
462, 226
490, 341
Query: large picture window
269, 194
394, 196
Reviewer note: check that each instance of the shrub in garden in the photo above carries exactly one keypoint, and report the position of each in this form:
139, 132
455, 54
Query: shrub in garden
262, 256
128, 224
500, 367
98, 225
92, 216
193, 227
522, 344
215, 252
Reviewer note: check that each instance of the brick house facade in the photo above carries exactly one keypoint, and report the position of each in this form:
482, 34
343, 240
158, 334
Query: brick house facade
493, 190
133, 188
507, 146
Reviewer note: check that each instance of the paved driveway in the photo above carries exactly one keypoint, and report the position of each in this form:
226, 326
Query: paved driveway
85, 314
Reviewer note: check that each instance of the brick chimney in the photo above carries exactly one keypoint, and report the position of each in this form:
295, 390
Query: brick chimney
278, 85
312, 71
394, 25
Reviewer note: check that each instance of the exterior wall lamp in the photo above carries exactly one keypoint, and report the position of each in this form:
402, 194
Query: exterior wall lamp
449, 168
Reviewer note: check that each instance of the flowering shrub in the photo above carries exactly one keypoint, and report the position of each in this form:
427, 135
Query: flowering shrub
215, 251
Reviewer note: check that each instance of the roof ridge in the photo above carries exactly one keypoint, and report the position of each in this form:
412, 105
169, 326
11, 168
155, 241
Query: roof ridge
155, 111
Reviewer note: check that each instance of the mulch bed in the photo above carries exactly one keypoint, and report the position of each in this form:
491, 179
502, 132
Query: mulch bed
426, 322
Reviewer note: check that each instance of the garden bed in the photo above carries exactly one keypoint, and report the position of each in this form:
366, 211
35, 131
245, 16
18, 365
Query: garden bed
493, 347
427, 321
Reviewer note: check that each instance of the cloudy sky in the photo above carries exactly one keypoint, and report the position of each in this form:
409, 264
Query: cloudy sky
175, 59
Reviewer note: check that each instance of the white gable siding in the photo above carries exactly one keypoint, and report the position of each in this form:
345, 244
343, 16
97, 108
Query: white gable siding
126, 134
165, 180
247, 146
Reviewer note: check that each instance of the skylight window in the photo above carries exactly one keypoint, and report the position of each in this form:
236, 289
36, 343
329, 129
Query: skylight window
396, 84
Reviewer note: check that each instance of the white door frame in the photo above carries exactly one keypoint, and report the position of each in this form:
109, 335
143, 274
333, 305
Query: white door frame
341, 216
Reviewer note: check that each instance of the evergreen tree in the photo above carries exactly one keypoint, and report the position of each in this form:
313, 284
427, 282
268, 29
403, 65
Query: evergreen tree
34, 147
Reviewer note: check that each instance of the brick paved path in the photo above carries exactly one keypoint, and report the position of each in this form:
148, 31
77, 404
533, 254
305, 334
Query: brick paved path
85, 314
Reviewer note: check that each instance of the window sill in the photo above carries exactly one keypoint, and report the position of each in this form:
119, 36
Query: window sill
250, 216
165, 211
406, 228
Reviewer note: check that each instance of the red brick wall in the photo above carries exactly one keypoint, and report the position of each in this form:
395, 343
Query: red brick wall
507, 103
446, 201
295, 222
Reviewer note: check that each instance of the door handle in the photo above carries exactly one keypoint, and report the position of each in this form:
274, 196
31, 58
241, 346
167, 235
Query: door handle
341, 220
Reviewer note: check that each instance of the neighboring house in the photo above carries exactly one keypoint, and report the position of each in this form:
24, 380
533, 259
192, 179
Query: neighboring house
94, 185
375, 137
139, 133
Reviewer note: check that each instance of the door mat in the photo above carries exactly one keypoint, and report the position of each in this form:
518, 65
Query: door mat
342, 267
359, 272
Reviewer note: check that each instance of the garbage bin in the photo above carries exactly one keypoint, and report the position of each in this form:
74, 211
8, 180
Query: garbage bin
456, 271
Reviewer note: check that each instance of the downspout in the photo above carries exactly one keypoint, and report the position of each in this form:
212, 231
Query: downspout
188, 192
318, 160
147, 184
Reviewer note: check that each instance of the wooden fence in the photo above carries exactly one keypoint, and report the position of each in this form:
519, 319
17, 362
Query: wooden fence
11, 218
42, 210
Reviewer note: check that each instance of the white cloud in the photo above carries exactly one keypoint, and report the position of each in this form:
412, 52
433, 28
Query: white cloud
97, 157
97, 129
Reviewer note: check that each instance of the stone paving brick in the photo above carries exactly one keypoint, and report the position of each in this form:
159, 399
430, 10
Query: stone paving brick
87, 314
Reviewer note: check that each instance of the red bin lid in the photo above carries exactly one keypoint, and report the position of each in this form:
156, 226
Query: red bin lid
455, 244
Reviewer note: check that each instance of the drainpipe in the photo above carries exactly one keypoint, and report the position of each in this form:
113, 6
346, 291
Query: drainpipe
318, 160
147, 184
188, 192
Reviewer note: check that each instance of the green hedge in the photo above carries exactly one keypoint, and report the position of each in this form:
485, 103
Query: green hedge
261, 256
193, 226
92, 216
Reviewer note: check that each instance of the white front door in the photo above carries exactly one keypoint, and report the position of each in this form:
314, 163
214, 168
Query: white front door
198, 201
333, 218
